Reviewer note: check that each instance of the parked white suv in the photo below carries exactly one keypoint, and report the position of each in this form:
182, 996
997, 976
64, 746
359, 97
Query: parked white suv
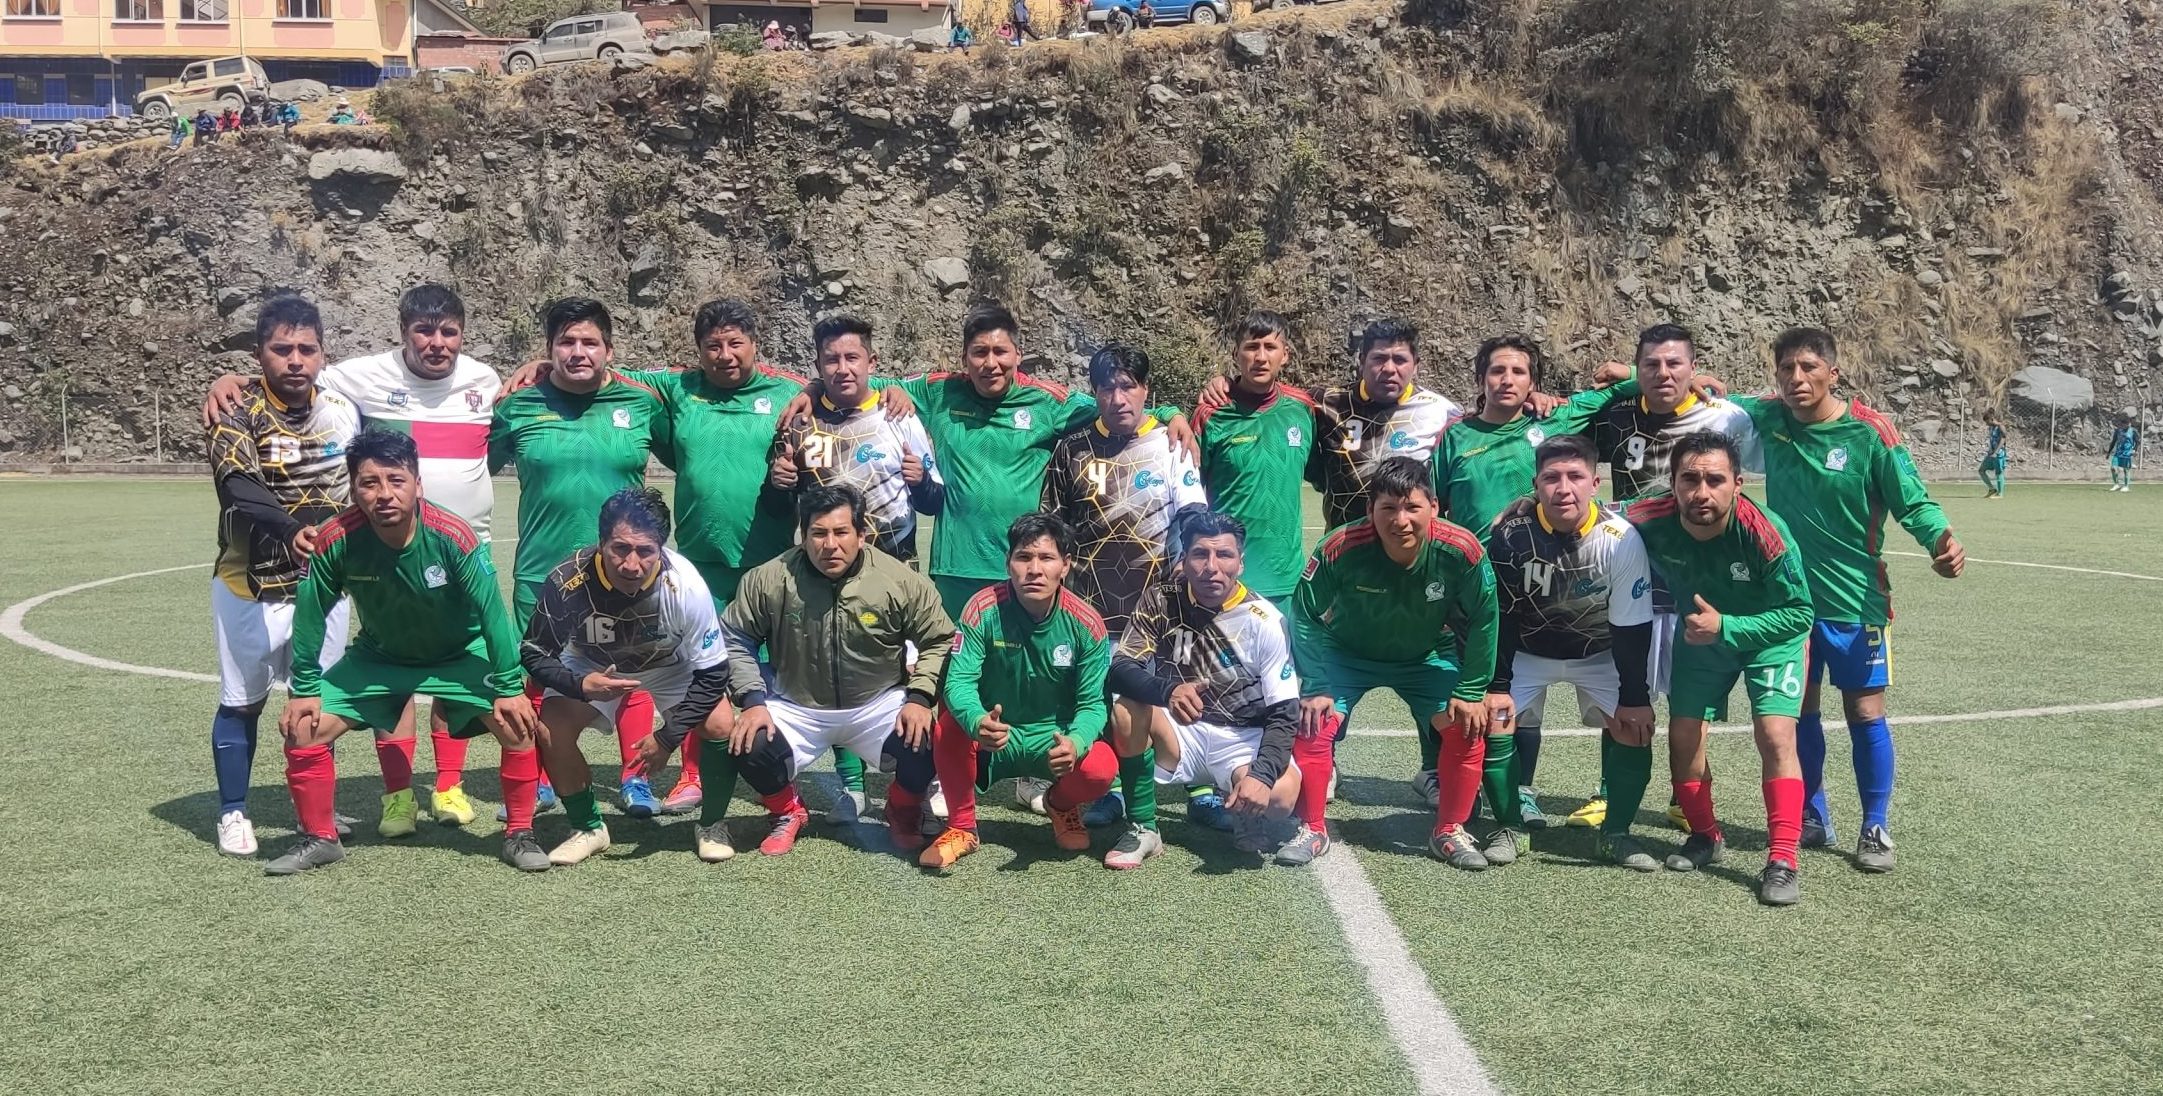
225, 81
579, 38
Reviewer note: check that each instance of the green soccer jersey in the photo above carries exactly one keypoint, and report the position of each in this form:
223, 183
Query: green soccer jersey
1481, 467
420, 605
1254, 461
1355, 600
1751, 572
573, 450
993, 454
1046, 676
721, 438
1833, 483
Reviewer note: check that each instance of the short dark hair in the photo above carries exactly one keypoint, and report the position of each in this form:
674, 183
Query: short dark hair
1815, 340
827, 498
1029, 528
641, 508
566, 311
1565, 447
429, 301
986, 318
1260, 323
1389, 331
726, 312
1665, 333
1211, 523
1115, 358
383, 447
1485, 356
286, 310
834, 327
1399, 477
1705, 441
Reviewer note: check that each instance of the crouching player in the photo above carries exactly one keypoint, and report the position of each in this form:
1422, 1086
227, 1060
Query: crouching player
1576, 608
1217, 661
836, 620
1025, 694
1745, 613
432, 622
625, 615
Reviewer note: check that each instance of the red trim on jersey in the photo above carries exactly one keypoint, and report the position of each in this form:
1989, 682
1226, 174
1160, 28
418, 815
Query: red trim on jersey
1344, 540
1649, 509
1458, 537
1760, 528
1300, 394
1057, 390
1877, 421
779, 374
640, 385
450, 525
341, 523
450, 440
983, 600
1082, 611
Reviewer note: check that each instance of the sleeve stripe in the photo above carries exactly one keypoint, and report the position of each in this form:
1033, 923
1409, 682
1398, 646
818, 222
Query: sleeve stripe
780, 374
981, 603
1346, 539
344, 522
1082, 611
448, 524
1300, 394
1876, 421
1760, 528
1458, 537
1649, 509
1058, 391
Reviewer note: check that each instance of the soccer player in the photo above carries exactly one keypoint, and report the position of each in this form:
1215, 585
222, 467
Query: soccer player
1204, 670
579, 434
1576, 608
1024, 694
432, 623
429, 389
1997, 453
2124, 443
1737, 569
1400, 600
279, 466
1384, 415
1834, 470
624, 616
836, 621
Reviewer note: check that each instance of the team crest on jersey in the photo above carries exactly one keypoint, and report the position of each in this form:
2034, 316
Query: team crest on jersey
762, 406
1314, 563
1293, 437
1023, 419
434, 576
1535, 435
1740, 572
1062, 655
397, 397
1435, 592
1837, 460
957, 640
473, 399
1398, 439
868, 619
622, 418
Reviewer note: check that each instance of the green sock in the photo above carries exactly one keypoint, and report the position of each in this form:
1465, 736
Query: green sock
1627, 771
851, 769
1498, 775
717, 778
1430, 748
1138, 786
582, 809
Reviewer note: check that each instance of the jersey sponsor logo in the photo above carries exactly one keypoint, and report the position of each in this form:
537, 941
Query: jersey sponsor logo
1740, 572
1638, 588
1535, 435
1062, 655
434, 575
1146, 479
1023, 419
473, 399
332, 448
1285, 674
1837, 459
762, 406
1587, 587
712, 636
622, 418
865, 454
1436, 591
868, 619
1398, 439
397, 397
1293, 436
1190, 479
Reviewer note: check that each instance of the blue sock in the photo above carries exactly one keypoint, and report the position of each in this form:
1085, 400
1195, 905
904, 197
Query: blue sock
232, 753
1873, 768
1810, 749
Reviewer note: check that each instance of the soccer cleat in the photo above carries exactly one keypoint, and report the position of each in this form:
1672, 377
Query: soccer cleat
1528, 805
935, 800
904, 826
1430, 787
1455, 847
684, 798
1067, 828
1675, 816
543, 799
1816, 833
342, 824
1697, 851
951, 846
1305, 847
786, 829
1874, 851
636, 797
1208, 811
1503, 845
713, 843
1624, 850
580, 845
1029, 794
399, 812
848, 808
1779, 884
1592, 815
451, 807
522, 851
1251, 832
236, 835
309, 853
1108, 811
1136, 845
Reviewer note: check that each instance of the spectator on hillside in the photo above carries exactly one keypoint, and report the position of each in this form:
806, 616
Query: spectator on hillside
1021, 22
288, 116
773, 38
961, 38
343, 115
178, 131
1007, 35
206, 127
228, 121
1145, 16
67, 143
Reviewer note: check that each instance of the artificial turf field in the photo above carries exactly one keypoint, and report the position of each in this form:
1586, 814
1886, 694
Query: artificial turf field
2015, 950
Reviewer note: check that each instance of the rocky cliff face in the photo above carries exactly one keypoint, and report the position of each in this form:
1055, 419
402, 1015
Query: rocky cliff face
1333, 163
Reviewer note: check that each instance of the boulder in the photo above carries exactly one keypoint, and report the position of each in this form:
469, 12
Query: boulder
1945, 367
832, 39
358, 165
682, 39
928, 39
1929, 431
299, 91
947, 273
1164, 173
2049, 389
1250, 47
872, 117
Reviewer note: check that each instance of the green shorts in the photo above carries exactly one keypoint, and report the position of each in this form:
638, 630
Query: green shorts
525, 601
1703, 676
366, 691
1027, 754
954, 593
1425, 686
721, 580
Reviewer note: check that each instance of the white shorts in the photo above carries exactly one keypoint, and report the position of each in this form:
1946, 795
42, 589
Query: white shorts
667, 684
1599, 686
861, 730
1211, 753
255, 643
1662, 660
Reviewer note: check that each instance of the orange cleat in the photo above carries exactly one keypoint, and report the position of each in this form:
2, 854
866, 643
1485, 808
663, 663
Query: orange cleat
951, 846
1067, 828
787, 827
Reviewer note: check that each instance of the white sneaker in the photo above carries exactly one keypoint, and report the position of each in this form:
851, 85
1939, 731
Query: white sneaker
1029, 794
935, 799
580, 845
713, 843
236, 835
1136, 845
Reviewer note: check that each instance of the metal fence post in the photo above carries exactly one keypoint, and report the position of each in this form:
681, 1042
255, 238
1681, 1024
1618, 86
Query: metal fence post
64, 422
157, 423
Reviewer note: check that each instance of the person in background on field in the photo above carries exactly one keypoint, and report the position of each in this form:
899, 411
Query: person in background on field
66, 145
1021, 22
1145, 16
343, 115
179, 131
229, 122
1996, 454
2124, 442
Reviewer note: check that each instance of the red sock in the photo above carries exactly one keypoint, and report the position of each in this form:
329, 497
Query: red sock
1458, 770
1783, 817
1098, 770
953, 755
450, 755
1696, 799
783, 801
521, 783
396, 757
691, 748
634, 721
312, 776
1317, 759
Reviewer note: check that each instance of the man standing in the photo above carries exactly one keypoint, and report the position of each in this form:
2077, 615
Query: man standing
1997, 454
1736, 567
432, 622
280, 471
1385, 414
2124, 444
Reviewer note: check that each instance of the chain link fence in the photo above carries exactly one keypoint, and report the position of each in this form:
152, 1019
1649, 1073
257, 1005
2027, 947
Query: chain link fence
2051, 444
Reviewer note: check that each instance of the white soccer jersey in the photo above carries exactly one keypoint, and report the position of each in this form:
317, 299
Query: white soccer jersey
1353, 436
1240, 655
1567, 589
862, 448
448, 420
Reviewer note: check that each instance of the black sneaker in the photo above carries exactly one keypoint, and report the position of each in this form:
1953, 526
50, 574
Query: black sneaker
1874, 851
1778, 884
1816, 834
521, 851
1697, 851
309, 853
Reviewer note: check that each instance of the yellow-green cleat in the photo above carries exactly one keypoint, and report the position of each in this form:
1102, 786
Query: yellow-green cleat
451, 807
400, 813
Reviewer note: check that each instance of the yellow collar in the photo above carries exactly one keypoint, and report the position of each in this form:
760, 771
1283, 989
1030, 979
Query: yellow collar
1592, 518
871, 400
273, 398
601, 573
1401, 397
1689, 400
1149, 422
